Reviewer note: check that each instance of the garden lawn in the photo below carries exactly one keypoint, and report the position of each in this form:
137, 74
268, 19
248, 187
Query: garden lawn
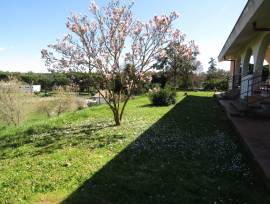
187, 153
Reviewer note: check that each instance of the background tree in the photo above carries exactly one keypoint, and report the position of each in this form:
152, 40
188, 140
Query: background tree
212, 69
179, 59
198, 77
99, 45
187, 70
60, 79
216, 79
4, 76
29, 77
160, 78
46, 82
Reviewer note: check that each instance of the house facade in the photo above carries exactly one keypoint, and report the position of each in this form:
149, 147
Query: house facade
248, 50
31, 88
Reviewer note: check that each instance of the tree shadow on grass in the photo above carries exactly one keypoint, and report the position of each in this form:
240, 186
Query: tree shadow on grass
185, 157
146, 106
151, 106
56, 138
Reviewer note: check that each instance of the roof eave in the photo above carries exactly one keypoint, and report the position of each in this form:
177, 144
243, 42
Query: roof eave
248, 12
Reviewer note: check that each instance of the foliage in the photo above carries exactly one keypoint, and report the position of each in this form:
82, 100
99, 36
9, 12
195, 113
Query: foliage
179, 59
82, 80
12, 102
142, 86
63, 101
220, 85
4, 76
46, 107
197, 80
98, 45
217, 79
176, 154
49, 81
162, 97
160, 78
212, 69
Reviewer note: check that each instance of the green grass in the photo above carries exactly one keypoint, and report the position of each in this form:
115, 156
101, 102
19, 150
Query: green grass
185, 153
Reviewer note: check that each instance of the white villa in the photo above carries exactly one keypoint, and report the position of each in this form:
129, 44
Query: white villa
31, 88
248, 50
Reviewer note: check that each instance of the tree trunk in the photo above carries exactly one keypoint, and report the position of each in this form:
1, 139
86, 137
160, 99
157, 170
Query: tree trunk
185, 80
117, 118
174, 79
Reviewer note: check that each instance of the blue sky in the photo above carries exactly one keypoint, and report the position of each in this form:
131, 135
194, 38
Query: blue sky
27, 26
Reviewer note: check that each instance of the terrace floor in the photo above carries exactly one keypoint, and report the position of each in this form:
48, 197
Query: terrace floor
255, 135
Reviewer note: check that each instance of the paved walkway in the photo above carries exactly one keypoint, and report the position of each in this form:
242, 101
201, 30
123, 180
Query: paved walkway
255, 134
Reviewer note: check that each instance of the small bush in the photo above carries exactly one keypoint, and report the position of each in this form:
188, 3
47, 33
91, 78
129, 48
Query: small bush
162, 97
62, 101
221, 85
80, 104
46, 107
12, 102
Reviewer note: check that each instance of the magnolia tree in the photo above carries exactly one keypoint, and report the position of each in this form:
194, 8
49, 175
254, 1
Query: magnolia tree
179, 58
102, 45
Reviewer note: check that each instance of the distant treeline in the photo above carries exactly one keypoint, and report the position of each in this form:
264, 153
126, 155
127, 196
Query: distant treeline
50, 80
81, 82
77, 81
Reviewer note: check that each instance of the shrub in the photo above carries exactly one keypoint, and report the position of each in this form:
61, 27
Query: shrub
63, 101
221, 85
12, 102
46, 107
162, 97
80, 104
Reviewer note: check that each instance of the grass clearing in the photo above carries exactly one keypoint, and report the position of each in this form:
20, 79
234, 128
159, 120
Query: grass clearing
178, 154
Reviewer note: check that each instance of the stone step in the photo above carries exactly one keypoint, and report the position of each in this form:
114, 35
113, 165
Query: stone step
231, 94
259, 113
236, 110
239, 105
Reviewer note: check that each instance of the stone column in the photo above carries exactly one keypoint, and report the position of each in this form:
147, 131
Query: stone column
237, 72
245, 62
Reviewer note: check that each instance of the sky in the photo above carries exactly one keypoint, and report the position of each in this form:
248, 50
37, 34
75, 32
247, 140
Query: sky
27, 26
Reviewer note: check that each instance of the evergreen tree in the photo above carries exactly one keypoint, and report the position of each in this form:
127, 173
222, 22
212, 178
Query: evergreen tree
212, 69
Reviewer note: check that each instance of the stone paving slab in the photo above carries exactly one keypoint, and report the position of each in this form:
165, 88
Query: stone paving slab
255, 134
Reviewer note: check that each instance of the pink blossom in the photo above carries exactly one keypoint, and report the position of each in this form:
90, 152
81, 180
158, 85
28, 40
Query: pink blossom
176, 34
162, 54
114, 67
84, 29
93, 6
75, 28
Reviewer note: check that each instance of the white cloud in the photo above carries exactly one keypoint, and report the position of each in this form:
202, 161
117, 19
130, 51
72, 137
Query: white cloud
2, 49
